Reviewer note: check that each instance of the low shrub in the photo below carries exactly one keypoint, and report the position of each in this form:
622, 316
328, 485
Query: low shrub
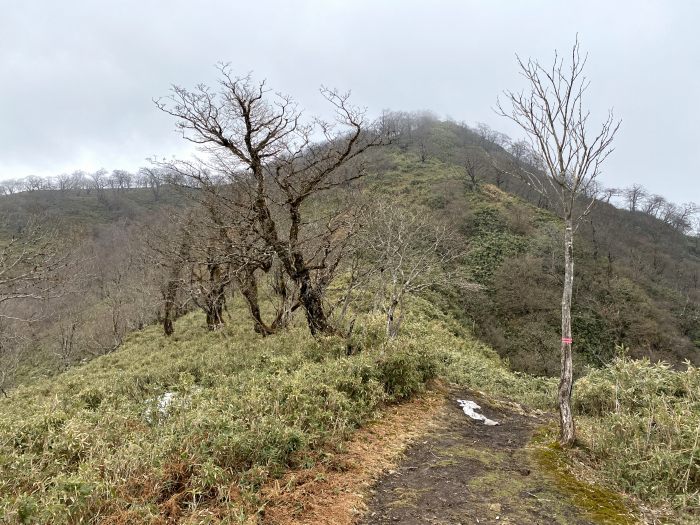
641, 424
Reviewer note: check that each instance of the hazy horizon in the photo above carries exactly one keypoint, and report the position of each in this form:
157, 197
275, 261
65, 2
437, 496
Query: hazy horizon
80, 76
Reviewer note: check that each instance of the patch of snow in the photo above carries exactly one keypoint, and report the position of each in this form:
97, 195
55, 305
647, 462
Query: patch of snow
164, 402
470, 409
160, 411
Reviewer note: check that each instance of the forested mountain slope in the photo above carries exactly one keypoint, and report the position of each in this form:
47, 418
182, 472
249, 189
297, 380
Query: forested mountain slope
637, 277
205, 420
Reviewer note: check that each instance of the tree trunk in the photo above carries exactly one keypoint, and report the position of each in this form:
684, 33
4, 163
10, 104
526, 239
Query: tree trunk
248, 286
390, 327
168, 328
393, 323
287, 304
567, 433
170, 310
215, 303
169, 306
215, 298
312, 301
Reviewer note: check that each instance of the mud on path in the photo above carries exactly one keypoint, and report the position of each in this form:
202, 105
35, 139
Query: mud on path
464, 472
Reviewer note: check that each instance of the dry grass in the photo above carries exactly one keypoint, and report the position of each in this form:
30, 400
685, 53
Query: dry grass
334, 494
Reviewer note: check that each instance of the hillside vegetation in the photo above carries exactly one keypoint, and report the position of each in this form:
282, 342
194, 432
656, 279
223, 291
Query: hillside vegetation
637, 278
108, 420
100, 443
190, 428
642, 427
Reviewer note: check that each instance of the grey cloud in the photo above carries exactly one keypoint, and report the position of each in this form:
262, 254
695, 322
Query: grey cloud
78, 76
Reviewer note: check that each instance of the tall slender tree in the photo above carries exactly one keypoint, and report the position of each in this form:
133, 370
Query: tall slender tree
552, 113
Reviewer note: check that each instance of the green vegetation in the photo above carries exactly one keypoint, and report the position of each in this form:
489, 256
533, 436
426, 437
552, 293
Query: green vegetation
640, 422
94, 443
635, 275
602, 504
80, 209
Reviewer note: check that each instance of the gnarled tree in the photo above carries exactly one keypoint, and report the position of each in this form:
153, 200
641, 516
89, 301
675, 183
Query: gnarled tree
552, 114
258, 138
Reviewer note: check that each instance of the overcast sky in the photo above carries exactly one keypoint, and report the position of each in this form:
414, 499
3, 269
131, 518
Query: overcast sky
78, 77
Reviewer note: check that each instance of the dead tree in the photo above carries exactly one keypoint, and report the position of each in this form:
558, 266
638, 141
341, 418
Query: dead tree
552, 113
251, 133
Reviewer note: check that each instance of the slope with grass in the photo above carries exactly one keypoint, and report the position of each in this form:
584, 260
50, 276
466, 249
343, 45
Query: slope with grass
640, 428
197, 428
195, 425
636, 278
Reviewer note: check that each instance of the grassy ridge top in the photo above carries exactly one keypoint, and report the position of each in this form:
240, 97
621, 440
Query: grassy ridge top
101, 442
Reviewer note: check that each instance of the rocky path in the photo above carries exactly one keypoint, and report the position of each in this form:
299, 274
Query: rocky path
464, 472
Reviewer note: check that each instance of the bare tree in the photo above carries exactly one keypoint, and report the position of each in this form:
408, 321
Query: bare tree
79, 181
98, 180
10, 187
634, 195
10, 355
67, 344
152, 179
172, 255
696, 234
684, 218
208, 282
606, 194
409, 253
120, 179
29, 263
251, 134
653, 205
521, 150
471, 167
196, 265
423, 152
553, 115
63, 182
490, 137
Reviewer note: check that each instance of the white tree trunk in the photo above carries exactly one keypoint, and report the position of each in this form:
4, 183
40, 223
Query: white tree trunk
566, 420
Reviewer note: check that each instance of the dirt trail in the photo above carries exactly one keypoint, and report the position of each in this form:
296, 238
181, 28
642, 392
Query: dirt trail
463, 472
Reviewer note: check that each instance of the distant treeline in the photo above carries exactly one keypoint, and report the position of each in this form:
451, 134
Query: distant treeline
84, 181
685, 218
